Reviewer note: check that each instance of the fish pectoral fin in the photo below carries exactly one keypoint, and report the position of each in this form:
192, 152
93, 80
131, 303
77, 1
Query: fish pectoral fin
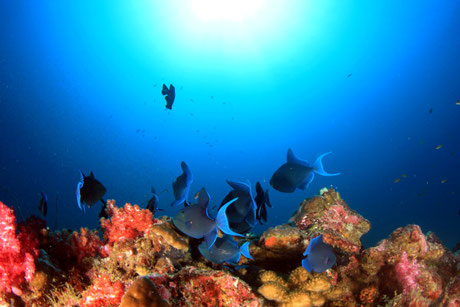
210, 238
306, 264
307, 181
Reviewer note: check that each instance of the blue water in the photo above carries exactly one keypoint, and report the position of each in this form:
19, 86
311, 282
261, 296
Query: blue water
80, 88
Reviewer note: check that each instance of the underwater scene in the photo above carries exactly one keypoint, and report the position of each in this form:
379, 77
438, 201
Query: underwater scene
230, 153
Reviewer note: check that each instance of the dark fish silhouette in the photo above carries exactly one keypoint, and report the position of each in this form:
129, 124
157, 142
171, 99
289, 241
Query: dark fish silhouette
43, 206
89, 191
297, 174
170, 95
262, 200
242, 213
349, 75
320, 256
431, 110
152, 204
225, 249
194, 220
181, 186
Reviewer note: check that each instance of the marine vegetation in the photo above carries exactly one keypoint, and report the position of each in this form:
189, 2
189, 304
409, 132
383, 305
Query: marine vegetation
137, 259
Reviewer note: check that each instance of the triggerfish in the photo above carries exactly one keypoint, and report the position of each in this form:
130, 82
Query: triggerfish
242, 213
89, 191
152, 204
296, 173
225, 249
195, 221
320, 256
181, 186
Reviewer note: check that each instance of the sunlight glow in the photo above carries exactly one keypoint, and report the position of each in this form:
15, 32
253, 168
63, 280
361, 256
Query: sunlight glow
230, 10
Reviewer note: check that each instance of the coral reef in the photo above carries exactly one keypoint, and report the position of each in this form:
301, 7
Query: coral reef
328, 214
139, 260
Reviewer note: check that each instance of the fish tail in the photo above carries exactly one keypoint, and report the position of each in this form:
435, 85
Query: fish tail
222, 220
245, 250
318, 166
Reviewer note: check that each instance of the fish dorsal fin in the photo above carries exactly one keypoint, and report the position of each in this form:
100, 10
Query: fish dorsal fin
91, 174
203, 198
291, 158
186, 170
312, 244
164, 89
239, 186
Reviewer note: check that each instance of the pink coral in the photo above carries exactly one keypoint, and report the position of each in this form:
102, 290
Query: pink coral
129, 222
407, 272
17, 253
103, 292
85, 244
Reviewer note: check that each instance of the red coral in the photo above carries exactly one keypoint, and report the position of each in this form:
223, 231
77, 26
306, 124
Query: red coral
103, 293
85, 244
17, 253
129, 222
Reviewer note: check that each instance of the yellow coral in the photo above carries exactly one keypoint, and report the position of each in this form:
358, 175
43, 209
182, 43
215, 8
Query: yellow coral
267, 276
334, 294
297, 299
299, 276
317, 299
272, 290
170, 236
317, 284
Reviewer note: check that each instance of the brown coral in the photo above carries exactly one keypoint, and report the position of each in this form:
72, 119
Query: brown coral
142, 293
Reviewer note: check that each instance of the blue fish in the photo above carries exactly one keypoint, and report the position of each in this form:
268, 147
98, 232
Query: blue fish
43, 206
320, 256
296, 173
170, 95
89, 191
242, 213
195, 221
181, 186
225, 249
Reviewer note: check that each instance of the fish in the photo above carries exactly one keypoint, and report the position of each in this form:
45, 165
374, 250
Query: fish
181, 186
43, 206
458, 103
262, 200
349, 75
242, 213
438, 147
430, 111
297, 174
195, 220
225, 249
196, 195
404, 175
89, 191
170, 95
444, 181
319, 256
153, 202
397, 180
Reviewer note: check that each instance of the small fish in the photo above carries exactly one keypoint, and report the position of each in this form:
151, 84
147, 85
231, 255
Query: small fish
397, 180
262, 199
43, 206
444, 181
196, 195
458, 103
241, 214
181, 186
153, 202
170, 95
225, 249
320, 256
349, 75
297, 174
438, 147
195, 220
430, 111
89, 191
404, 175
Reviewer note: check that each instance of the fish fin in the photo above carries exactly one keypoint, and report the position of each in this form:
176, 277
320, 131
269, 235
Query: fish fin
244, 249
307, 181
186, 170
79, 186
152, 189
91, 174
306, 265
239, 186
263, 213
164, 90
312, 244
267, 199
203, 198
210, 238
178, 202
234, 260
291, 158
222, 221
318, 166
